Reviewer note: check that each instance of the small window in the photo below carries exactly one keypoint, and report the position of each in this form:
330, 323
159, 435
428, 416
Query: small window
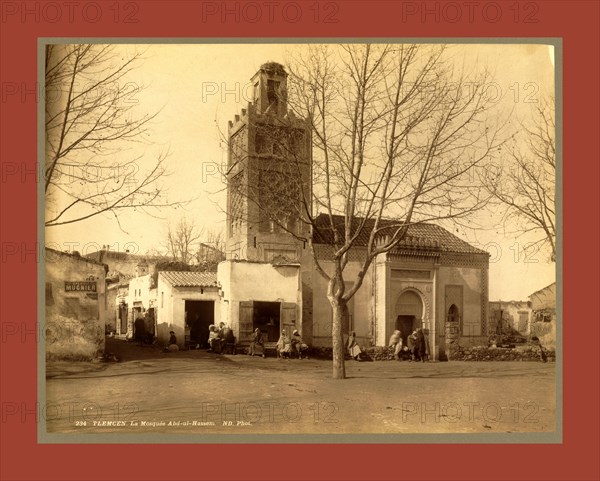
272, 92
260, 144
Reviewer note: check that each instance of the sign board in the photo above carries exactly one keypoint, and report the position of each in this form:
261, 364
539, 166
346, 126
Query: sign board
80, 286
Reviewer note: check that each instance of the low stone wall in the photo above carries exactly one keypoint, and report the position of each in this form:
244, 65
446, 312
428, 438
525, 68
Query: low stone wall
479, 353
522, 353
370, 353
381, 353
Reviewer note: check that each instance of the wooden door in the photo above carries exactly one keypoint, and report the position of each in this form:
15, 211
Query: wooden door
246, 316
288, 317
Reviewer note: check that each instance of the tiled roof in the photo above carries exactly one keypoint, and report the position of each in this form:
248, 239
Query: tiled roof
422, 237
551, 287
190, 279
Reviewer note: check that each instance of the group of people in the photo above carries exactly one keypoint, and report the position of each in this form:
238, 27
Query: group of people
286, 346
220, 337
416, 348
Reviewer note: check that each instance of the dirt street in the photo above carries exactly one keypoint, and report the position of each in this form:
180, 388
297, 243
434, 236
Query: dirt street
196, 392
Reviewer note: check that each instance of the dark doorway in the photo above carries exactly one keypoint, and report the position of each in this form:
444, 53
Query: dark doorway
138, 324
123, 310
149, 323
406, 325
409, 311
200, 315
266, 317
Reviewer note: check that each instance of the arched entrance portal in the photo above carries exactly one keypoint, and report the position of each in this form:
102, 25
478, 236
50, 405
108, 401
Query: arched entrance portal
409, 313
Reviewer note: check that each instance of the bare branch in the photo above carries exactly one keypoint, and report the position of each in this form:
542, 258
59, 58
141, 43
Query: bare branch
92, 117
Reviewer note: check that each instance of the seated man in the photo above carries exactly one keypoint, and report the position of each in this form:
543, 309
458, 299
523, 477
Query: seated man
298, 344
284, 346
172, 342
214, 341
227, 338
405, 354
353, 348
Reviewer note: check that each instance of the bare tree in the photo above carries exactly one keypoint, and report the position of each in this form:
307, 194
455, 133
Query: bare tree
91, 118
181, 240
397, 136
525, 182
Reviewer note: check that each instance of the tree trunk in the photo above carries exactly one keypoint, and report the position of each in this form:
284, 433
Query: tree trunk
339, 307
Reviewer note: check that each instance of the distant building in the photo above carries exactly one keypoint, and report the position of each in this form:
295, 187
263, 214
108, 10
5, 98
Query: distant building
208, 257
125, 263
141, 302
543, 305
117, 293
515, 315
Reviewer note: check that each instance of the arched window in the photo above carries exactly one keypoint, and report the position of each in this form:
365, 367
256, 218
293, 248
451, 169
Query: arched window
453, 314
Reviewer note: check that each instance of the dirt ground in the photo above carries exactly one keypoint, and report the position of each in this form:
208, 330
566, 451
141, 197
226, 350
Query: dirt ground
196, 392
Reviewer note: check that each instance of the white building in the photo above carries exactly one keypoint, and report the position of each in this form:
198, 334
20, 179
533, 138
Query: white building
187, 303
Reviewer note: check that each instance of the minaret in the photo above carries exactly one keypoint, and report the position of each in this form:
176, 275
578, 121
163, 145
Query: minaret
141, 269
270, 90
268, 175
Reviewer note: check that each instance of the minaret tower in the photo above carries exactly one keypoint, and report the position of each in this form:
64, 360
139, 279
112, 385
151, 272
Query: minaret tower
268, 174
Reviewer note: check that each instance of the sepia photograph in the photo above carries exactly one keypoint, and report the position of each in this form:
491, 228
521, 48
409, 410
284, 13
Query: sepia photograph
298, 241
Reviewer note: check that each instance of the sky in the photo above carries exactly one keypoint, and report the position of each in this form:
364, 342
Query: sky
198, 88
